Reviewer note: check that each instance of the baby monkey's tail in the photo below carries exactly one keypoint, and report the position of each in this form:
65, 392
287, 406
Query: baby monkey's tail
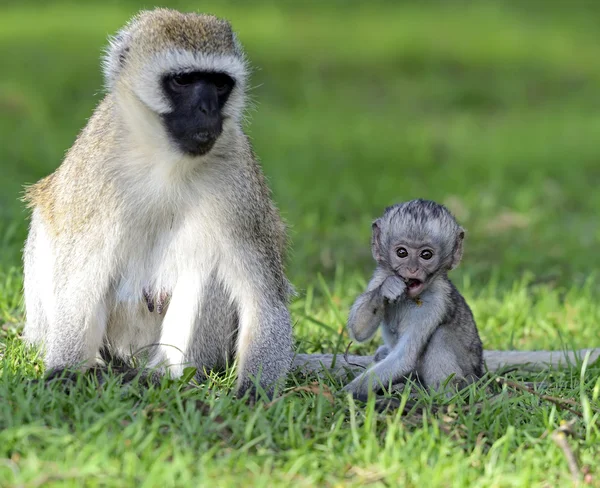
340, 364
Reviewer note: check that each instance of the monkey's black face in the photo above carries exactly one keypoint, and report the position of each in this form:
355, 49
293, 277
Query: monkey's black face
197, 98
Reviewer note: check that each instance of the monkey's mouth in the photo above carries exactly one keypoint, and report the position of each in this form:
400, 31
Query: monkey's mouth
201, 143
414, 287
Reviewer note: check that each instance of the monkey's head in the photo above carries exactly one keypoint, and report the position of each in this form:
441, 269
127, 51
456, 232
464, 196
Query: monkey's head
419, 241
187, 70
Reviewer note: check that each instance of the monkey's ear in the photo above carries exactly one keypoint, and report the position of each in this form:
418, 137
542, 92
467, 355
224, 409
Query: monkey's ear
458, 248
376, 240
115, 57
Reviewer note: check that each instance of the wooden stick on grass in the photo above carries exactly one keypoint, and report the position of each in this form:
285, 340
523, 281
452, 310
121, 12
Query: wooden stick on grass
559, 402
559, 436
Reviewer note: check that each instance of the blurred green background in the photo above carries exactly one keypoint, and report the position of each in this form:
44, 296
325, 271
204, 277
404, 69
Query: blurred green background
490, 107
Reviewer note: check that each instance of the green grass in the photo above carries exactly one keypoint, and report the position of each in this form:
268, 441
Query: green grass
490, 107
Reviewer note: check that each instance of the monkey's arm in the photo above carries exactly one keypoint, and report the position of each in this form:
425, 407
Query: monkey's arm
264, 346
368, 310
365, 315
339, 365
76, 327
259, 288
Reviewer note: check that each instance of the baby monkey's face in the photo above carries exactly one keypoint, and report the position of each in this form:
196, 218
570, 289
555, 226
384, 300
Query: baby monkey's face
419, 241
416, 263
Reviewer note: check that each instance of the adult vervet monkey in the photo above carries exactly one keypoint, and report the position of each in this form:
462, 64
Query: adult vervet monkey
161, 201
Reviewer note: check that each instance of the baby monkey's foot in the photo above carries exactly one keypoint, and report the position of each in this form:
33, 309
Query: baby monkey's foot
160, 303
381, 353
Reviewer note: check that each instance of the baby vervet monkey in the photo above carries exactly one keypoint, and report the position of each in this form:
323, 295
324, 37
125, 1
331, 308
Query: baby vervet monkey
157, 233
427, 326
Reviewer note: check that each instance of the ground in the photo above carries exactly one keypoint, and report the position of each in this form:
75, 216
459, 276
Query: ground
491, 108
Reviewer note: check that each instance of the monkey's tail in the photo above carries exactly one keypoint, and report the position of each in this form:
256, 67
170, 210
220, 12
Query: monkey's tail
339, 364
537, 360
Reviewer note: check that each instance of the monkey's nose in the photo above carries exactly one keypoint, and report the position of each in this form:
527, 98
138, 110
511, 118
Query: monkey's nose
208, 109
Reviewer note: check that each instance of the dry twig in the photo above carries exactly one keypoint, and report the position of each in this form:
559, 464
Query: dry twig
346, 357
312, 388
559, 402
559, 436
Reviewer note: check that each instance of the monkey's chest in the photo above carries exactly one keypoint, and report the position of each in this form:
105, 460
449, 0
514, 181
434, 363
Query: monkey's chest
153, 265
397, 321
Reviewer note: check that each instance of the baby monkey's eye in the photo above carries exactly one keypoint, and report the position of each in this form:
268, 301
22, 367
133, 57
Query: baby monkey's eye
426, 254
401, 252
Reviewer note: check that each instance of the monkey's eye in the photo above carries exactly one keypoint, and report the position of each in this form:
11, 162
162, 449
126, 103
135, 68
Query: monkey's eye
426, 254
222, 82
182, 80
401, 252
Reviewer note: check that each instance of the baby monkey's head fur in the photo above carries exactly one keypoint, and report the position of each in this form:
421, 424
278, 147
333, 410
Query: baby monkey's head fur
188, 70
419, 241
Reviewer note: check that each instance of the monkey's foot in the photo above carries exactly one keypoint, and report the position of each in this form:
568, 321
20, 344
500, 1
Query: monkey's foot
359, 388
381, 353
61, 374
68, 378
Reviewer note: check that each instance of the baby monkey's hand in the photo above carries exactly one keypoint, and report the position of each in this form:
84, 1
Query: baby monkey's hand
392, 288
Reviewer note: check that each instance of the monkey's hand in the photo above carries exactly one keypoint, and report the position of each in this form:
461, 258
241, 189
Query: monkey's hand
392, 288
360, 386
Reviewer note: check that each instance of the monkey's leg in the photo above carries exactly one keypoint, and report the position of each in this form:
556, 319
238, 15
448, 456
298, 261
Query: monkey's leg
438, 362
394, 366
179, 323
402, 359
213, 343
76, 331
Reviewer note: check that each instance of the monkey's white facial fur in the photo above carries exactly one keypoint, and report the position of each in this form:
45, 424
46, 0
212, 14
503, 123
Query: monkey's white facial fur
148, 87
162, 44
418, 241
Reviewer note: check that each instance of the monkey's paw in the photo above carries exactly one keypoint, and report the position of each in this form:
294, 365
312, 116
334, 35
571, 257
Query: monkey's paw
381, 353
359, 388
393, 288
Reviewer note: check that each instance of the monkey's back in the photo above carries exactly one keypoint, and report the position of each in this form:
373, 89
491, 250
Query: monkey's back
76, 193
463, 337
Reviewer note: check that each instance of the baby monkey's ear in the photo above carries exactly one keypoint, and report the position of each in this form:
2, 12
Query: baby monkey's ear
458, 248
376, 241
